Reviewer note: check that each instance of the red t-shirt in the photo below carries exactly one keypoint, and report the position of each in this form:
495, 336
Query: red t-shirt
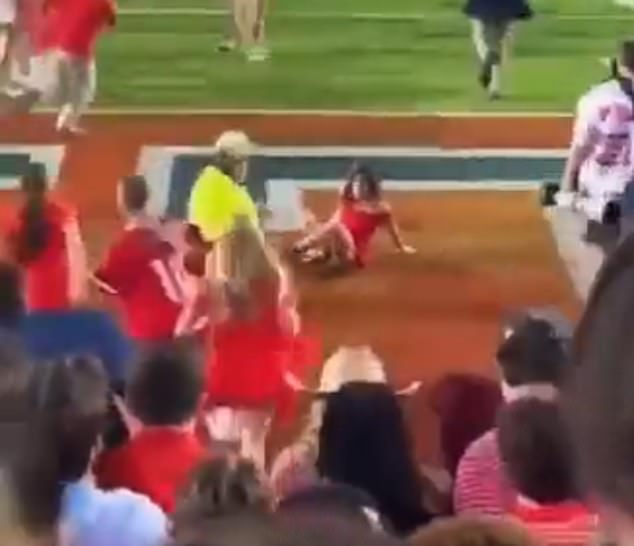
565, 524
157, 463
73, 26
145, 272
46, 279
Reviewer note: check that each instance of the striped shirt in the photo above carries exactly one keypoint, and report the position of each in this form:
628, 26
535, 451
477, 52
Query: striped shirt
565, 524
482, 487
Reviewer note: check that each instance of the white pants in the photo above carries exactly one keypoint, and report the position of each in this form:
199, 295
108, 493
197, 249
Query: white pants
65, 81
247, 429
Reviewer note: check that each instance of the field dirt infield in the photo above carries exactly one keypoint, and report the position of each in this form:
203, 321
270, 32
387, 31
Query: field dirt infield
479, 252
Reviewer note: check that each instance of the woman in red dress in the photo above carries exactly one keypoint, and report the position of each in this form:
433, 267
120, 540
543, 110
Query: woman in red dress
45, 241
254, 342
345, 238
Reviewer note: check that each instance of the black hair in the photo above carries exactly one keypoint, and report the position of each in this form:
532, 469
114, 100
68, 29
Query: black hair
34, 229
626, 54
363, 442
135, 193
532, 351
369, 180
11, 299
166, 384
15, 376
599, 397
537, 451
72, 398
221, 487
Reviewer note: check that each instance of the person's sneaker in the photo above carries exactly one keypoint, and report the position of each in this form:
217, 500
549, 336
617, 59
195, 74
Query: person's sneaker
227, 45
258, 54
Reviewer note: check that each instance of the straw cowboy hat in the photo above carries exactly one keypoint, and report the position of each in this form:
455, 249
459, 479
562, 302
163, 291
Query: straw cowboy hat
234, 144
347, 365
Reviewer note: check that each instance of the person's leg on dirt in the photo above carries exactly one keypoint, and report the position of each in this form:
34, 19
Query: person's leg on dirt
328, 237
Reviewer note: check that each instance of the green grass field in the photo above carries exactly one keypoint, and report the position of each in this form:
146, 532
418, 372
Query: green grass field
398, 55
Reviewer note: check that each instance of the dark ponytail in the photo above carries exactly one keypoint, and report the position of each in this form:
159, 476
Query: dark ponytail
33, 231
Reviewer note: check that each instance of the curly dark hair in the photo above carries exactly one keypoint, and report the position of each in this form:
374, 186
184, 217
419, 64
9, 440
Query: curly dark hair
369, 180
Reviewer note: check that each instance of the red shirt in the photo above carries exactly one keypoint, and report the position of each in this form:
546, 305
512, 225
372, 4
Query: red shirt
143, 270
157, 463
47, 278
73, 26
565, 524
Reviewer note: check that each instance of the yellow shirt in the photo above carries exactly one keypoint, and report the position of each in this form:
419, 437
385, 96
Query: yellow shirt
215, 201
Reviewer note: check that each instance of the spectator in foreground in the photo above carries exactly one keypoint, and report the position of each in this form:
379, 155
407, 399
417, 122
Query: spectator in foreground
163, 395
220, 488
538, 453
599, 400
51, 335
15, 377
73, 400
533, 361
466, 406
363, 442
466, 531
45, 241
30, 496
492, 22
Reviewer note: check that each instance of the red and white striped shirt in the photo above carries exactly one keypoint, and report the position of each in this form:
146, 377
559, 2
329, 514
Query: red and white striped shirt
482, 487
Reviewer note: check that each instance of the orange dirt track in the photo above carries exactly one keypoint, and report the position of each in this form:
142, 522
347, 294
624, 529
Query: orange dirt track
479, 252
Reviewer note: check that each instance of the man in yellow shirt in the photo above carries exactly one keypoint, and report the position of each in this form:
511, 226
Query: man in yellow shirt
219, 195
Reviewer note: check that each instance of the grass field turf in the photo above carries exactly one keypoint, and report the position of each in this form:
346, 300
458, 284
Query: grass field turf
405, 55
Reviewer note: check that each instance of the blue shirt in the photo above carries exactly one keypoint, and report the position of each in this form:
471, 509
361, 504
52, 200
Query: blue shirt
92, 517
49, 335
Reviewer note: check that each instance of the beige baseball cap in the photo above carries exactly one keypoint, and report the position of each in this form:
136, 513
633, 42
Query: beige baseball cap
235, 144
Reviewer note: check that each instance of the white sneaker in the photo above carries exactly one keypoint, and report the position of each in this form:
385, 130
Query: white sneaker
258, 54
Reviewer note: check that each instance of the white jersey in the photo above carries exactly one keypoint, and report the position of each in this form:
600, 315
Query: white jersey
605, 124
8, 12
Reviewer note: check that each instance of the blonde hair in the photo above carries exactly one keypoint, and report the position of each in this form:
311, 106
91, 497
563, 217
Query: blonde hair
242, 257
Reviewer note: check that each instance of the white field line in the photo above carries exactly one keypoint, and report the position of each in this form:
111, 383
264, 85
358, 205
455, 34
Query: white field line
361, 114
201, 12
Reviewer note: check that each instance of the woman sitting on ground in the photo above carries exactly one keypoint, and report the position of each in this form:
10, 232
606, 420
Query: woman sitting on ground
345, 238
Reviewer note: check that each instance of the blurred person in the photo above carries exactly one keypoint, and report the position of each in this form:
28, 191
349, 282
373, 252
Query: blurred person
143, 270
471, 531
466, 406
333, 501
492, 22
45, 241
254, 341
15, 379
599, 166
30, 492
219, 195
533, 361
163, 395
295, 467
363, 442
247, 29
72, 396
220, 488
598, 399
75, 26
538, 454
8, 19
50, 335
344, 240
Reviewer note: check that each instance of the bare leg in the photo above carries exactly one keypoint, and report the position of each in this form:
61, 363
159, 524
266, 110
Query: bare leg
80, 87
332, 236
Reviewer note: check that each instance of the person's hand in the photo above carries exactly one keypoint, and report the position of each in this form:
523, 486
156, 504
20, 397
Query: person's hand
406, 249
565, 199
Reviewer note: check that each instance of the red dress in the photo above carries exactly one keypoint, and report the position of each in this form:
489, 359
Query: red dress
248, 357
47, 277
362, 225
